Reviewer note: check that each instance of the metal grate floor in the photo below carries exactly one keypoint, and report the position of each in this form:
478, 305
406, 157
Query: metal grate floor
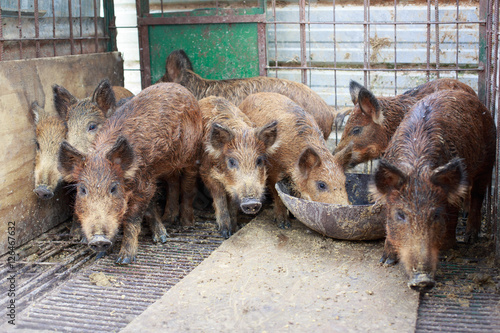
465, 299
66, 296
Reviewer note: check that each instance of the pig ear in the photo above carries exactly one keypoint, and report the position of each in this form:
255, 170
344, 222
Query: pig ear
340, 116
388, 178
69, 159
268, 134
308, 160
344, 156
104, 97
177, 62
220, 135
62, 100
369, 105
452, 178
354, 89
122, 154
37, 112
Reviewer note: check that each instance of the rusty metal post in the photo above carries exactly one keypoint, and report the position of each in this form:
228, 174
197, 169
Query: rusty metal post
302, 23
483, 73
110, 24
143, 30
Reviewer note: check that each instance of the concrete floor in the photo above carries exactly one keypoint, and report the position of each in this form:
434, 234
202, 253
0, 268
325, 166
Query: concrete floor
267, 279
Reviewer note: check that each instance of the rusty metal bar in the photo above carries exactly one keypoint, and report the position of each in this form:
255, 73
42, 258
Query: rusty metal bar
1, 34
428, 38
258, 18
262, 48
302, 19
275, 39
52, 39
37, 29
96, 31
436, 27
142, 7
395, 48
19, 26
457, 36
483, 75
70, 19
366, 43
81, 27
54, 27
386, 22
496, 112
335, 59
359, 68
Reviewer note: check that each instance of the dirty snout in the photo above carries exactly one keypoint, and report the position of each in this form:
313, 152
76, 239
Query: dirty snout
421, 282
250, 205
99, 243
43, 192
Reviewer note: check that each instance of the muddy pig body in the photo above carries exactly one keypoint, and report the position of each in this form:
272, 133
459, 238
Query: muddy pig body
233, 161
179, 69
85, 117
374, 120
301, 154
156, 134
50, 131
442, 153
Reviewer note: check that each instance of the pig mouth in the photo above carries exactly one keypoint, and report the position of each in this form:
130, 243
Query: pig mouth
421, 282
250, 205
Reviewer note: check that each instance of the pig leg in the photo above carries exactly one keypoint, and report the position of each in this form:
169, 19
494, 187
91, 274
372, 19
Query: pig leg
280, 210
76, 230
130, 242
220, 200
171, 215
233, 213
477, 194
389, 257
450, 239
188, 193
157, 229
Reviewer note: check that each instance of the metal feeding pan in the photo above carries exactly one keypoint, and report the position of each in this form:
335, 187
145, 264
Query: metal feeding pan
359, 221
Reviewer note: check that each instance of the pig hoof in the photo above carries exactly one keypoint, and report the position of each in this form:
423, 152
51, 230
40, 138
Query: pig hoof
285, 225
125, 260
100, 255
388, 260
470, 237
84, 240
163, 238
160, 239
226, 233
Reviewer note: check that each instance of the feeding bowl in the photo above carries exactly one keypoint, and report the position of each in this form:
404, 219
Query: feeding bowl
359, 221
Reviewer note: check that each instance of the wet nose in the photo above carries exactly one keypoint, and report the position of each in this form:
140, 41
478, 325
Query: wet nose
99, 243
421, 282
250, 206
43, 192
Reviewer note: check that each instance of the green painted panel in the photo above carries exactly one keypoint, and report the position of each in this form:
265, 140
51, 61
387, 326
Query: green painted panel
217, 51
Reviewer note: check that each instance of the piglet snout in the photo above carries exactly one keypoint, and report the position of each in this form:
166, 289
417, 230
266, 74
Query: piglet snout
250, 206
43, 192
421, 282
99, 243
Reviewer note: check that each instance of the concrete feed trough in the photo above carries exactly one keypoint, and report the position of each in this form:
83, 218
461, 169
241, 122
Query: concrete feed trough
359, 221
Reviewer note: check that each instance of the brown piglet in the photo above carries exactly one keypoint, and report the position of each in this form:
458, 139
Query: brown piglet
155, 135
373, 120
233, 162
441, 155
301, 154
178, 68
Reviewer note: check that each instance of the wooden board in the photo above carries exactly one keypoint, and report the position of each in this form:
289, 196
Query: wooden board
23, 82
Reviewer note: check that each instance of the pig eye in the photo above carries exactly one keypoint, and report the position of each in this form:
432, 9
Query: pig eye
82, 190
113, 189
260, 161
437, 214
92, 127
37, 145
321, 186
400, 216
232, 163
356, 130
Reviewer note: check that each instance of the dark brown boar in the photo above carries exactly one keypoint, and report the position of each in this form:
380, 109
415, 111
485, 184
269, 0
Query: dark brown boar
373, 120
179, 69
50, 131
301, 154
86, 116
155, 135
442, 152
233, 162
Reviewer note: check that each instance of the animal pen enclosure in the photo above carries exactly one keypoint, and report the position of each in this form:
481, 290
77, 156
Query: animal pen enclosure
389, 46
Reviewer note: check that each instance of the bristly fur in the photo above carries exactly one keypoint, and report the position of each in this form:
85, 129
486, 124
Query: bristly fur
179, 70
